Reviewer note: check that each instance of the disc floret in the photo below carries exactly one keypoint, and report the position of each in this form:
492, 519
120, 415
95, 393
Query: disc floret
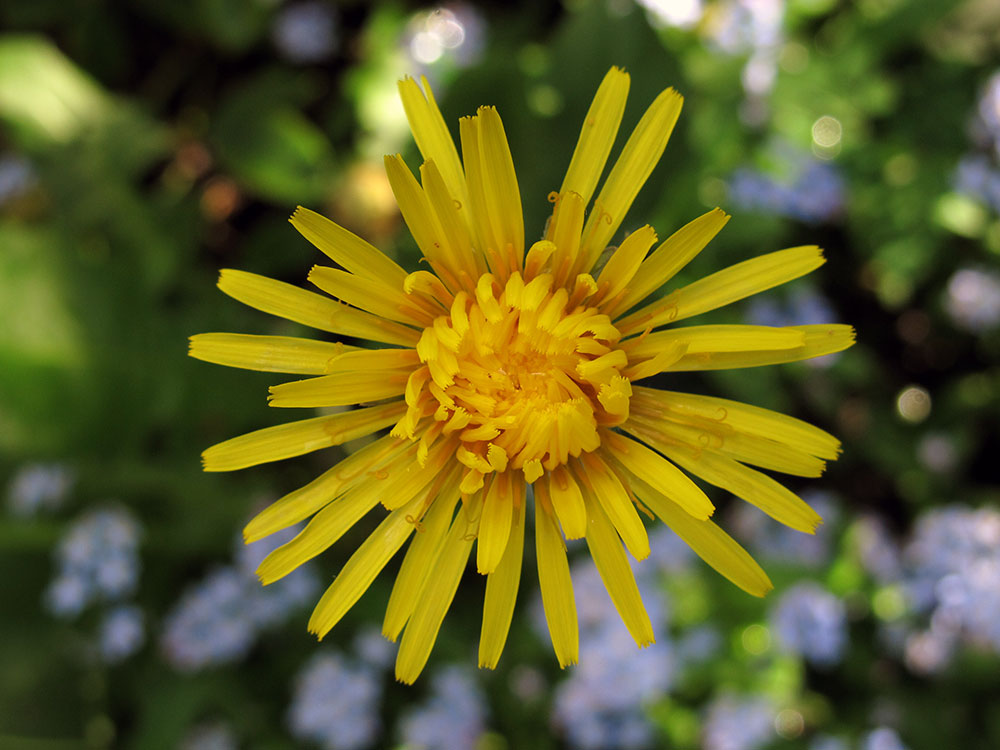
523, 372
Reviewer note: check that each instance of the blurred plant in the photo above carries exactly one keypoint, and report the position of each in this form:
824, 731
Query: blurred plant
812, 191
218, 619
210, 736
882, 738
601, 703
452, 718
96, 561
306, 32
122, 633
39, 488
735, 722
811, 622
336, 702
951, 579
973, 299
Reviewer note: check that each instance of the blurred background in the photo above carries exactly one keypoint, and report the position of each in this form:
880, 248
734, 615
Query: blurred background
144, 145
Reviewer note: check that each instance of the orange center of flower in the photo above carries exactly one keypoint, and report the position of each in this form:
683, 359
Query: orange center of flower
523, 374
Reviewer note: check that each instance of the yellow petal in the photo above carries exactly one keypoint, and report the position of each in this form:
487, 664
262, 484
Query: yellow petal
567, 502
502, 585
408, 478
373, 360
435, 598
296, 438
639, 369
597, 135
624, 262
346, 249
757, 489
421, 219
641, 153
483, 236
670, 257
612, 563
494, 526
431, 134
362, 568
419, 560
376, 297
751, 420
657, 471
709, 542
598, 479
564, 232
500, 191
715, 338
305, 501
393, 485
819, 340
266, 353
307, 308
452, 217
725, 286
339, 389
321, 532
557, 589
720, 438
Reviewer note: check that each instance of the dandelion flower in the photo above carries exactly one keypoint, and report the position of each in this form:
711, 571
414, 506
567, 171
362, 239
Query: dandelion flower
500, 369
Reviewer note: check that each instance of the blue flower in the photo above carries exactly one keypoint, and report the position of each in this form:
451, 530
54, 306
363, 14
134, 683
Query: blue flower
811, 622
738, 723
882, 738
98, 558
38, 488
219, 619
336, 702
122, 633
454, 716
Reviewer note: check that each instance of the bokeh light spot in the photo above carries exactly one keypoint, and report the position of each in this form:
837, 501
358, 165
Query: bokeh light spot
914, 404
756, 639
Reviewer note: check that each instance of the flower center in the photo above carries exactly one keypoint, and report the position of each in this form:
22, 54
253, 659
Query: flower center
522, 373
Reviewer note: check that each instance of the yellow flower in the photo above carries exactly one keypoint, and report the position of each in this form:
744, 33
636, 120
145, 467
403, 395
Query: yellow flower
508, 369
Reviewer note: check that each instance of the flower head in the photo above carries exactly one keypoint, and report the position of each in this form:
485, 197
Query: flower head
508, 368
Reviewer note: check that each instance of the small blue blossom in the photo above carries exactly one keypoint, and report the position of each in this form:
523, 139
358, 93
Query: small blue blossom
738, 723
306, 32
876, 549
122, 633
453, 717
97, 559
336, 702
882, 738
988, 112
698, 645
811, 622
952, 573
39, 488
814, 193
17, 176
371, 647
601, 703
219, 619
210, 624
972, 299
